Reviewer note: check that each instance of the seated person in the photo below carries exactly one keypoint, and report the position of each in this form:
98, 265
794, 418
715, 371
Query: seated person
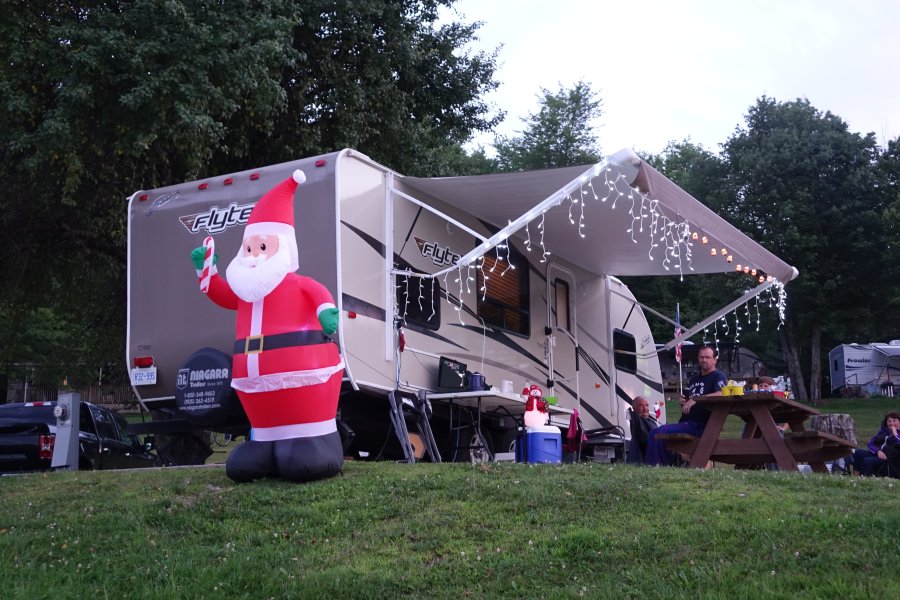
641, 425
766, 384
882, 454
694, 417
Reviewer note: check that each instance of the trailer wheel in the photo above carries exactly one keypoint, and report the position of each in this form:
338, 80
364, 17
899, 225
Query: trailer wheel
472, 447
221, 439
187, 448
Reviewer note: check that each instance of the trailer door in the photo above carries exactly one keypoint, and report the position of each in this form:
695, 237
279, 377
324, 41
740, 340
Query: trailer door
562, 340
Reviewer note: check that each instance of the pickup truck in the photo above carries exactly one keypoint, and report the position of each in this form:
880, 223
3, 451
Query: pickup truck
28, 435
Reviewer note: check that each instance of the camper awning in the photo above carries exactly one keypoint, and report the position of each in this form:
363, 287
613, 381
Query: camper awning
888, 350
607, 248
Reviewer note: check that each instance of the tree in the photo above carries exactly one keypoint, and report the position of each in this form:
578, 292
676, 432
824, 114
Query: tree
889, 168
560, 134
102, 98
383, 78
808, 189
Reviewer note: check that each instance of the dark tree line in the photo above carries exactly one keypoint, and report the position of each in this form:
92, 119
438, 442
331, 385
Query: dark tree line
101, 98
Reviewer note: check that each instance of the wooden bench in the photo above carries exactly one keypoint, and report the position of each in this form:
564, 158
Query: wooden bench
679, 442
811, 446
805, 446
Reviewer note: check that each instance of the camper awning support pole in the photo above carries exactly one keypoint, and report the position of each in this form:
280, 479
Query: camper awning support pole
716, 315
656, 313
439, 213
389, 267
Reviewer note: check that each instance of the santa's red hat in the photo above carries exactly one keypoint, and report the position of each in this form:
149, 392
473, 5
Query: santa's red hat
274, 215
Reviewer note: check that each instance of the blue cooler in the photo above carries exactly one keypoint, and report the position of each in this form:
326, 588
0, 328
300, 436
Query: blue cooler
543, 445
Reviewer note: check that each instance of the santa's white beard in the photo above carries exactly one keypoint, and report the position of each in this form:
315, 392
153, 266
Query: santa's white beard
253, 278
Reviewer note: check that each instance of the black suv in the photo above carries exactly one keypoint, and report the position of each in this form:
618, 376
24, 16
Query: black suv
28, 435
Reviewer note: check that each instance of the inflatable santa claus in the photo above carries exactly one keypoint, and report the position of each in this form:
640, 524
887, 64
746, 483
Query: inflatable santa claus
286, 370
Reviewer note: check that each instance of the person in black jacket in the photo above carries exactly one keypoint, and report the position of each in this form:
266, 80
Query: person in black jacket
642, 423
882, 455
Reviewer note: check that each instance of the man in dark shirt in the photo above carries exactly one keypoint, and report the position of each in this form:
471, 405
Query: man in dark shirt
641, 426
694, 417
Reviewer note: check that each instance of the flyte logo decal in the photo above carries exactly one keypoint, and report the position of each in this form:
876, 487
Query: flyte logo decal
218, 219
439, 255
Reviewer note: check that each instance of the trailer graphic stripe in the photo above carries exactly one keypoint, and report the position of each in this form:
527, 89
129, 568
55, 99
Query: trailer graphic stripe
359, 306
411, 227
654, 385
376, 245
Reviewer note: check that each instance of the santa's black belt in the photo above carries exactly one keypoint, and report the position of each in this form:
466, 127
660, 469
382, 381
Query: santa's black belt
257, 343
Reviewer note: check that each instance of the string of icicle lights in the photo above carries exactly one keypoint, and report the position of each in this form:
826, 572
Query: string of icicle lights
668, 238
774, 297
665, 236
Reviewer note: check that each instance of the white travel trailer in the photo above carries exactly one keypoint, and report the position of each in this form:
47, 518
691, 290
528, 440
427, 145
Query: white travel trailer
510, 276
873, 368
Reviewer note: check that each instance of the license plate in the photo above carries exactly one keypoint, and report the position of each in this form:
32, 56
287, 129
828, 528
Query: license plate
143, 376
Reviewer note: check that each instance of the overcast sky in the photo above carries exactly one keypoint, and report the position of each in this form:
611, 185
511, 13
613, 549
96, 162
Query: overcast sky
676, 69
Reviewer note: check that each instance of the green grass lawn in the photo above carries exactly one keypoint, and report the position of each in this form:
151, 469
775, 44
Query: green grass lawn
386, 530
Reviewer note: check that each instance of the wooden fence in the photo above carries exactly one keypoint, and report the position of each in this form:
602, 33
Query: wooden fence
114, 397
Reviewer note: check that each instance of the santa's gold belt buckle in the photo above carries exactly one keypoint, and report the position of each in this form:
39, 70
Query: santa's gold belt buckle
253, 338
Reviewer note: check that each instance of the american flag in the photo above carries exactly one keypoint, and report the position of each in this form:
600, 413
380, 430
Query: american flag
677, 333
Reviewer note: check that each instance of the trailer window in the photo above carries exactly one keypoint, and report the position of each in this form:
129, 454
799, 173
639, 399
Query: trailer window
86, 423
505, 302
106, 427
419, 301
625, 351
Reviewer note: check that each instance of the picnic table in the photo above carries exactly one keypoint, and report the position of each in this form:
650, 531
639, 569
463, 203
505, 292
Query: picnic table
761, 442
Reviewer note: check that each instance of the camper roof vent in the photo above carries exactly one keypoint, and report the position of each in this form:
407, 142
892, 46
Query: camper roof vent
894, 342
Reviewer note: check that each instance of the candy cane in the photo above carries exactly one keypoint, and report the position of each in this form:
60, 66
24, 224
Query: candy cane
210, 246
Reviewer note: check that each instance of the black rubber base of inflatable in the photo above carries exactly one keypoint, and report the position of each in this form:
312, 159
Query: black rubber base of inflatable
296, 459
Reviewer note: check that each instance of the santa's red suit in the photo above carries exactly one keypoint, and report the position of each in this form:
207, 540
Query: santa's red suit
286, 370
